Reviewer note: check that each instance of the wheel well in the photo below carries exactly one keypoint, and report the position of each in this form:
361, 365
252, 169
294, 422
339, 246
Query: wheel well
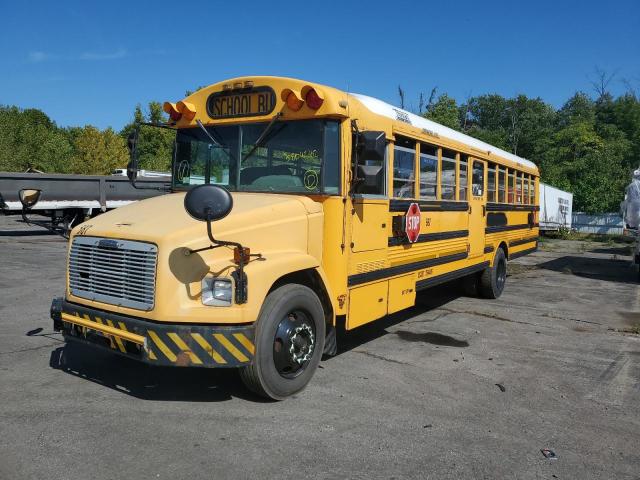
503, 246
309, 278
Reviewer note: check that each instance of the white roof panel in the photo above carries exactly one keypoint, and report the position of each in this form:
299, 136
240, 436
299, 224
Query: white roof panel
382, 108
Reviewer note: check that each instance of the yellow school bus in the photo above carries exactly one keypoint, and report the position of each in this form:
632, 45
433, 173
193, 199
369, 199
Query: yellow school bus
296, 208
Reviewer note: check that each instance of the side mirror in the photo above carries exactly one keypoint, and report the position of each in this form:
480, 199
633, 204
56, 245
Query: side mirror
132, 166
372, 145
29, 197
370, 176
208, 202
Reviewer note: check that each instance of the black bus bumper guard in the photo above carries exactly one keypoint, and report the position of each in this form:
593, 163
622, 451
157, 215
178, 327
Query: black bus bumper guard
155, 343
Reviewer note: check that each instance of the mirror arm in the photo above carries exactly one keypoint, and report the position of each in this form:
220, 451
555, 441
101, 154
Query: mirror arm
134, 153
240, 277
23, 212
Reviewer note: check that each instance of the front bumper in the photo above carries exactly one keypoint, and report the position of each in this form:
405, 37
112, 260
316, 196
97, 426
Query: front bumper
177, 345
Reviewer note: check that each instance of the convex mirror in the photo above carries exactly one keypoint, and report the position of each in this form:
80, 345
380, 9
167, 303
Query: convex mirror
208, 202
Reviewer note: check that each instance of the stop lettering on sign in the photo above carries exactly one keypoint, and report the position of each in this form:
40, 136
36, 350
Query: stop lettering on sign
412, 222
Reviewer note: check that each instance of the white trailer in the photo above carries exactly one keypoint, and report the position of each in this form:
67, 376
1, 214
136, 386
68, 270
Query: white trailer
555, 208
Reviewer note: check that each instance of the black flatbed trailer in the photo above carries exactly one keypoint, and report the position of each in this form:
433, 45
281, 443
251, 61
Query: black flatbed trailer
70, 199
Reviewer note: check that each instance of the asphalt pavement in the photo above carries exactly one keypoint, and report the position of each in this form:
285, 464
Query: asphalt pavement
456, 387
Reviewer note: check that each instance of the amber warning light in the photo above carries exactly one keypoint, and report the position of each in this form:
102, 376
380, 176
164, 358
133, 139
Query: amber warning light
312, 97
171, 110
179, 110
293, 99
296, 99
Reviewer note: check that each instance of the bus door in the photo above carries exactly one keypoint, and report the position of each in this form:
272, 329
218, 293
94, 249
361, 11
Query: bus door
477, 207
369, 237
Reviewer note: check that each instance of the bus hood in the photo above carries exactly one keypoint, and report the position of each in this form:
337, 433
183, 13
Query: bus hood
257, 220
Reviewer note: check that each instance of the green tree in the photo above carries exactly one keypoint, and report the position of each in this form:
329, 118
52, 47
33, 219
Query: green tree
29, 139
486, 119
626, 116
155, 144
592, 167
444, 111
579, 108
519, 125
530, 122
97, 152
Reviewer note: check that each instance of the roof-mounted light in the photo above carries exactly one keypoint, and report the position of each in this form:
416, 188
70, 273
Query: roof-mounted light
188, 110
292, 98
171, 109
313, 97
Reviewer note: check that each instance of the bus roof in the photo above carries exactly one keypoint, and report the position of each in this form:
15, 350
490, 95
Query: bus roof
384, 109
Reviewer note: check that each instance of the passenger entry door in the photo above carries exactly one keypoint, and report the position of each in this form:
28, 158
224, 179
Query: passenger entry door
477, 207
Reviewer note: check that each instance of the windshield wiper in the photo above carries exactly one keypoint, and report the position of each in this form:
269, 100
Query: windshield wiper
262, 136
213, 140
214, 143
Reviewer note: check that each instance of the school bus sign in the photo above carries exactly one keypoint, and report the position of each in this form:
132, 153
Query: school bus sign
412, 223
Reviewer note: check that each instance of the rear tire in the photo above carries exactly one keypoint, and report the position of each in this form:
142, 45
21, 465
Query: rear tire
289, 340
493, 279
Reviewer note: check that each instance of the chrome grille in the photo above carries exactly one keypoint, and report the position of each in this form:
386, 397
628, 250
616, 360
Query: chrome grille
119, 272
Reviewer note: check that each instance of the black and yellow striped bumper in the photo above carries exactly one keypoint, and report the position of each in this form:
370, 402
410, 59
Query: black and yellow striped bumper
178, 345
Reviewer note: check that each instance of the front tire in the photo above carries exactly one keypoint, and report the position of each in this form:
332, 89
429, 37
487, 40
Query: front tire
289, 340
493, 279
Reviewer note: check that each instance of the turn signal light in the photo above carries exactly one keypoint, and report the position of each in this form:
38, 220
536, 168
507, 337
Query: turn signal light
241, 255
172, 110
293, 99
187, 109
313, 97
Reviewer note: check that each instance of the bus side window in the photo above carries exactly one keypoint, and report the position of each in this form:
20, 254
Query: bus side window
491, 183
464, 162
532, 191
448, 175
511, 187
519, 177
525, 196
428, 172
477, 185
501, 180
404, 164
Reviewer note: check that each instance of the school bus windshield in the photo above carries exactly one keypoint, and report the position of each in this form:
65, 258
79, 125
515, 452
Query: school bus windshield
293, 156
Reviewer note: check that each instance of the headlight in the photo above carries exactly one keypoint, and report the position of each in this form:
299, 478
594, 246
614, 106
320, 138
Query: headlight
216, 291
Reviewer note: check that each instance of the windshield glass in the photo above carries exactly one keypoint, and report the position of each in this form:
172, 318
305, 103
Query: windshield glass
293, 156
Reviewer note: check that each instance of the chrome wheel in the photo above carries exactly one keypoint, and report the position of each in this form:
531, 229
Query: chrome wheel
293, 344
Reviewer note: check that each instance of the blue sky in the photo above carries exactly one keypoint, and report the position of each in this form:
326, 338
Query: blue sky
92, 62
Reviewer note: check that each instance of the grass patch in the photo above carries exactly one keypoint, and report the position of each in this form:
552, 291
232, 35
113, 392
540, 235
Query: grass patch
566, 234
517, 268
